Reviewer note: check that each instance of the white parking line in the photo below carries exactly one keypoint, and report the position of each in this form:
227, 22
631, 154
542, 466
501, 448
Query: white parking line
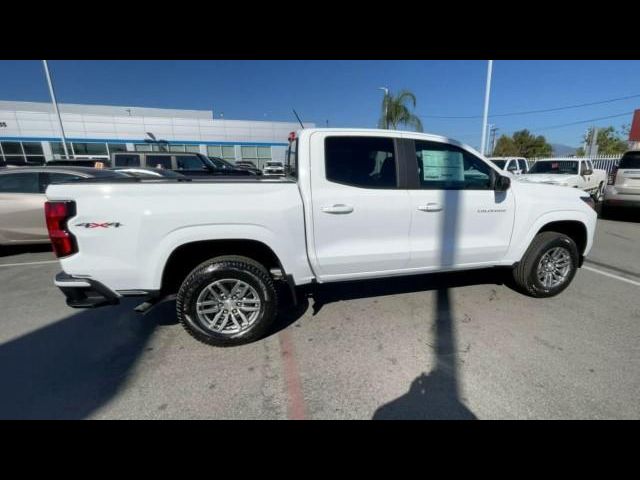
27, 263
607, 274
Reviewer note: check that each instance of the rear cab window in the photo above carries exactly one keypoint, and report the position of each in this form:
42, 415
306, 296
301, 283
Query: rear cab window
630, 160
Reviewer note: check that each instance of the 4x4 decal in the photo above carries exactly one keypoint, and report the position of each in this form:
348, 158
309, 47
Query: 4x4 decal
99, 225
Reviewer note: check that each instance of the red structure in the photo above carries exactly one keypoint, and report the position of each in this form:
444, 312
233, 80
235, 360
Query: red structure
634, 133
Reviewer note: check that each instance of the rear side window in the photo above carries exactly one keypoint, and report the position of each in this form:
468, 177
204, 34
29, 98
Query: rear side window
128, 160
159, 161
23, 182
447, 167
630, 160
522, 164
367, 162
189, 162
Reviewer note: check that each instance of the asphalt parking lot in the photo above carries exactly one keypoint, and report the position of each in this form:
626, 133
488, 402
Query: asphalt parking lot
441, 346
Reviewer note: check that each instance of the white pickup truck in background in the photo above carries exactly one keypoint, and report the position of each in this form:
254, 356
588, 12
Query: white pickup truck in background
569, 172
357, 204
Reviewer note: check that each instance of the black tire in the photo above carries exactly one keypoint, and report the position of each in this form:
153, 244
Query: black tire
229, 266
524, 273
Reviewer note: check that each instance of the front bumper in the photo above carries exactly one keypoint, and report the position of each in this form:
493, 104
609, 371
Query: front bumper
85, 292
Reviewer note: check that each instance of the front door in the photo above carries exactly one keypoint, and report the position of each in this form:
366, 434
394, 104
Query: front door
456, 216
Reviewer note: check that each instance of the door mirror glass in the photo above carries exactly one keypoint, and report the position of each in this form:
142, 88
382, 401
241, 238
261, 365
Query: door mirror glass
501, 183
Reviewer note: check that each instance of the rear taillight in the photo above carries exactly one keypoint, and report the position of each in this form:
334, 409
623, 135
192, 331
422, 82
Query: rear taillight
57, 214
612, 175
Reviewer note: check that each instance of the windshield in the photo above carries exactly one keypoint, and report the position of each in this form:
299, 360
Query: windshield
560, 167
630, 160
499, 163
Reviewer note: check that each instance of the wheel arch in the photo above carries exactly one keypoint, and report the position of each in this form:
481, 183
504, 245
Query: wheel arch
187, 256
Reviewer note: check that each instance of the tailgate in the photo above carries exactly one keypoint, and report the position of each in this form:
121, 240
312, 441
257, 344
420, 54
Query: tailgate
628, 181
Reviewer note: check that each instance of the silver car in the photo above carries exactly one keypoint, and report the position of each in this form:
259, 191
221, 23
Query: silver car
22, 200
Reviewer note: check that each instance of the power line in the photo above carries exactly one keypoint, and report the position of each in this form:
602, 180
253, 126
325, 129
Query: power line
528, 112
552, 127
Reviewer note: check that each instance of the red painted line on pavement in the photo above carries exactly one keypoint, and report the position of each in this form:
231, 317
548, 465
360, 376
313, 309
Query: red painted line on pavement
293, 384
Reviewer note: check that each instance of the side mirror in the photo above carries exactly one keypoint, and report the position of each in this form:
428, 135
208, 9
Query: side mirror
587, 171
501, 183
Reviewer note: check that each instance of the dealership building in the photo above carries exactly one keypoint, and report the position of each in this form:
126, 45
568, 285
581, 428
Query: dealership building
30, 133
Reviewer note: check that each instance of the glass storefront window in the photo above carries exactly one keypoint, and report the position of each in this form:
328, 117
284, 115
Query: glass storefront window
193, 148
176, 148
142, 147
12, 148
56, 148
117, 147
32, 148
90, 148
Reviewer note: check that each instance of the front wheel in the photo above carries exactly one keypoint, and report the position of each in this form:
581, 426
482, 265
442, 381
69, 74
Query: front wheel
226, 301
548, 266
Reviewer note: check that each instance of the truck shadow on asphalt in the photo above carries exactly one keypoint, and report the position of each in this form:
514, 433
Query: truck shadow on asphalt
70, 368
435, 395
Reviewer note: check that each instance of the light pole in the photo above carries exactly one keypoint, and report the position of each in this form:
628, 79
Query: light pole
384, 101
486, 107
55, 107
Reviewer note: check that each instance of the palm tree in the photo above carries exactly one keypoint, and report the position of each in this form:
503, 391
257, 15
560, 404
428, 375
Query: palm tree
395, 111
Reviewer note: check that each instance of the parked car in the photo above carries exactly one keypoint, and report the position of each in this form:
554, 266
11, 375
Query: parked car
274, 168
80, 162
221, 163
514, 165
368, 204
576, 172
189, 164
246, 163
22, 198
624, 185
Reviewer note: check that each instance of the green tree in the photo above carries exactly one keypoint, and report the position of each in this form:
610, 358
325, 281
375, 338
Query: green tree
522, 144
396, 110
506, 147
610, 141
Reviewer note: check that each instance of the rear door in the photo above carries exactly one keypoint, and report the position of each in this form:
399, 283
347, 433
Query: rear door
360, 215
22, 208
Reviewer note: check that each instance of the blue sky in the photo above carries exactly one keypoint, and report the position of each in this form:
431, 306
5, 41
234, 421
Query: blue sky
346, 92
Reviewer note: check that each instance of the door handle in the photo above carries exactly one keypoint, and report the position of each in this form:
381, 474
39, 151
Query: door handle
430, 207
338, 208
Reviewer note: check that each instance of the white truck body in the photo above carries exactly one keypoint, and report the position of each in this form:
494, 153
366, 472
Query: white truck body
585, 177
319, 230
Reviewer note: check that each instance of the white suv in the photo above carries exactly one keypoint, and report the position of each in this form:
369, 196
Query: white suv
624, 184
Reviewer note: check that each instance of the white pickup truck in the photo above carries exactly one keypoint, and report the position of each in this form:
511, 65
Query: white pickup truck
356, 204
569, 172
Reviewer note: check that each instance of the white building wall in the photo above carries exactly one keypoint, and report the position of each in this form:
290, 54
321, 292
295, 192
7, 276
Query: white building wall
86, 123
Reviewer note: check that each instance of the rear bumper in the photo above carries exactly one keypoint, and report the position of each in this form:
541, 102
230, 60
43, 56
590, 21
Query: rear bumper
616, 199
85, 292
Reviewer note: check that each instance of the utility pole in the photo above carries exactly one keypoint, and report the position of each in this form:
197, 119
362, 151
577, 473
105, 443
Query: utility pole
55, 107
492, 143
487, 93
384, 100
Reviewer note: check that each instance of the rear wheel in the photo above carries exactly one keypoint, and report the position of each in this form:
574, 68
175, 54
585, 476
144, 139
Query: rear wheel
548, 266
226, 301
